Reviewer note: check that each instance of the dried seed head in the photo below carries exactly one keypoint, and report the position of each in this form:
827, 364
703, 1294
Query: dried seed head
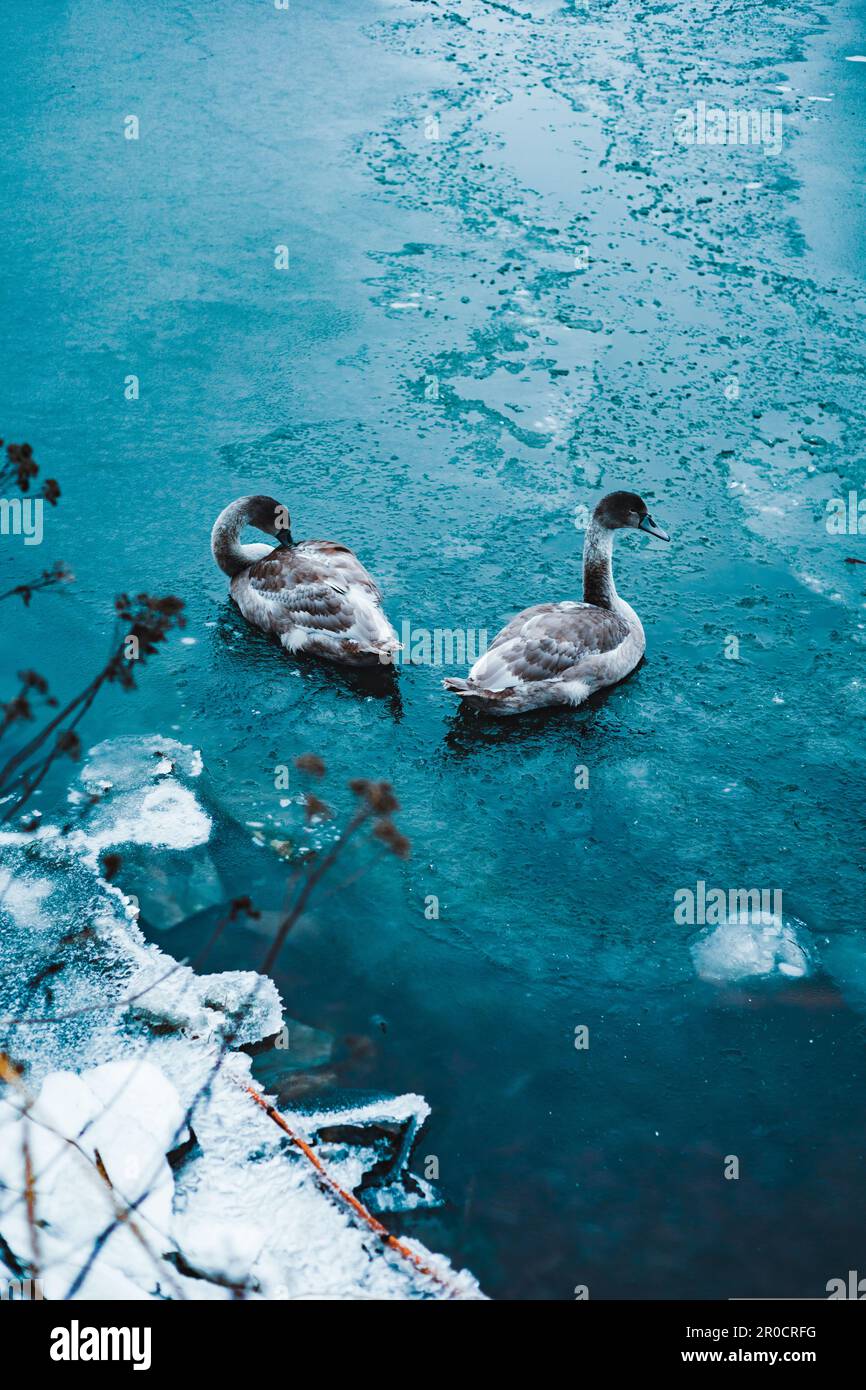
316, 809
242, 907
110, 865
386, 831
310, 762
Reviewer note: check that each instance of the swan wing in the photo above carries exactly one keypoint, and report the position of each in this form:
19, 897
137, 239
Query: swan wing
548, 642
337, 563
315, 588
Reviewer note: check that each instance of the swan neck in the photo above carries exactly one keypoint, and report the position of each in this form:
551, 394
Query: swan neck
230, 555
598, 585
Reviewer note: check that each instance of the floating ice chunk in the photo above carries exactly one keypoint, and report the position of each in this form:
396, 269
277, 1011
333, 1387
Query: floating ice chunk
165, 817
141, 800
751, 945
358, 1133
144, 802
129, 762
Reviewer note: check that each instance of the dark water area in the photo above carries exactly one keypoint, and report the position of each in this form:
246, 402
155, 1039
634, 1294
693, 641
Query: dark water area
510, 290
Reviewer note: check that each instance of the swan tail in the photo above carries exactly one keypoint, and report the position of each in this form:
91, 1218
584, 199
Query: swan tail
370, 653
387, 651
467, 690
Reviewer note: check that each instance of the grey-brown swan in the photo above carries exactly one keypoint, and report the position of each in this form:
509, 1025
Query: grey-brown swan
315, 596
561, 653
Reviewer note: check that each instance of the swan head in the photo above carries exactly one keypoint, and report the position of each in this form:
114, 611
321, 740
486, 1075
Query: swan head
270, 516
620, 509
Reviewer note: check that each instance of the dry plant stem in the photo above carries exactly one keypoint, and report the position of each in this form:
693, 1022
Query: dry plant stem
35, 586
88, 694
150, 619
125, 1217
348, 1198
310, 883
30, 778
98, 1007
30, 1199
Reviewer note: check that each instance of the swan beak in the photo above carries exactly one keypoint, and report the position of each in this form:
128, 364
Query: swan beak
647, 524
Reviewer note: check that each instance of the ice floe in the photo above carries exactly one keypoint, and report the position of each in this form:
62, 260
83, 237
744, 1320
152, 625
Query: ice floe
752, 945
149, 804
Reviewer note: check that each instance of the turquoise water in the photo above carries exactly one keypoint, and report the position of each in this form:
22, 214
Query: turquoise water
440, 378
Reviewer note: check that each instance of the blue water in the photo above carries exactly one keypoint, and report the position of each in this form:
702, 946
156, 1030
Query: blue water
449, 441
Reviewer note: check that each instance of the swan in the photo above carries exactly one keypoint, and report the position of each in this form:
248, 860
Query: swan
315, 596
560, 653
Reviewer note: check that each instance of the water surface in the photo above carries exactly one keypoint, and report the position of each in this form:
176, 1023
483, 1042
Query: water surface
478, 333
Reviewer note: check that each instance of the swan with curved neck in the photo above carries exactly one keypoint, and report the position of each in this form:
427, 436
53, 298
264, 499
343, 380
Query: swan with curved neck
561, 653
315, 596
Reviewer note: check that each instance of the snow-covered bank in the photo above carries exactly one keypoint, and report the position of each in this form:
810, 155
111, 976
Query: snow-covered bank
139, 1062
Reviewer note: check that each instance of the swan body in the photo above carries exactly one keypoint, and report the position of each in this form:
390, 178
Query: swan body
561, 653
315, 596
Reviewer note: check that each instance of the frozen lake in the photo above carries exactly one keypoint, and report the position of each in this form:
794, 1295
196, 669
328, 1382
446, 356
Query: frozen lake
509, 289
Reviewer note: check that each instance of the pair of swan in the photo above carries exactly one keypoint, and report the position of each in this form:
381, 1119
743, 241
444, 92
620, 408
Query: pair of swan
318, 598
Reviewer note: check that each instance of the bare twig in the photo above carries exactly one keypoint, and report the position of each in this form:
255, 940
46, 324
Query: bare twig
48, 579
144, 623
377, 803
346, 1198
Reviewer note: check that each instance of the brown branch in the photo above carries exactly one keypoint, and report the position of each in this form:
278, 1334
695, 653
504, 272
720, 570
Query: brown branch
30, 1203
309, 885
347, 1198
150, 620
48, 579
88, 693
